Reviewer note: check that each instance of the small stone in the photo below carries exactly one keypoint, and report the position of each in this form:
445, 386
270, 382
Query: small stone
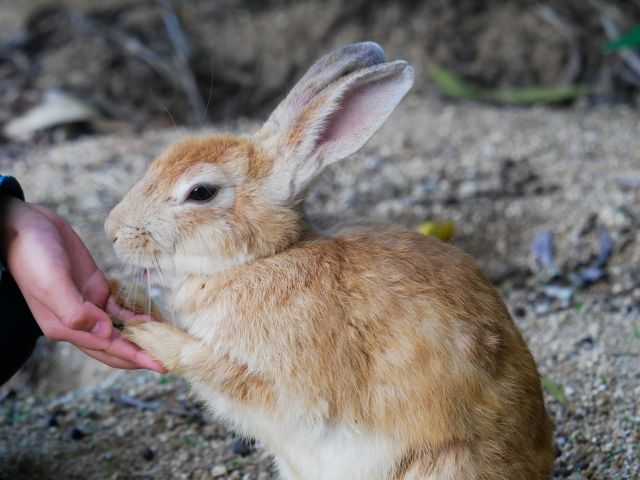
468, 189
76, 434
218, 470
543, 307
586, 341
576, 476
52, 421
243, 446
148, 454
582, 466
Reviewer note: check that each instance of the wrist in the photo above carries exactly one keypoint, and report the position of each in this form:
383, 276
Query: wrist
10, 192
8, 205
10, 186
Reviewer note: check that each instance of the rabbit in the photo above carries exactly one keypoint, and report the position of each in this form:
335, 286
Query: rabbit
350, 350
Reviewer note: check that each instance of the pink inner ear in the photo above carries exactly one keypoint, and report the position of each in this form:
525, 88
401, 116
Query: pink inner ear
361, 111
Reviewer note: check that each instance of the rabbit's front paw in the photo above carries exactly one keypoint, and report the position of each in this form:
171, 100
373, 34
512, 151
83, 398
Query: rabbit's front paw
132, 297
162, 341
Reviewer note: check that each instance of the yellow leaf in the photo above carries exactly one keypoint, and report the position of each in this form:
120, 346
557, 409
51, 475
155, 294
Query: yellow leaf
443, 230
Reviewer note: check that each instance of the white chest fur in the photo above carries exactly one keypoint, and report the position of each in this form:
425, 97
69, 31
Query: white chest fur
306, 449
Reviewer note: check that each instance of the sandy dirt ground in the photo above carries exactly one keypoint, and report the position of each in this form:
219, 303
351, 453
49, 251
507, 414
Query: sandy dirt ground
503, 175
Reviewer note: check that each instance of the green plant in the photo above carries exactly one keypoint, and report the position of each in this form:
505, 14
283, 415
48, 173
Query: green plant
631, 39
454, 86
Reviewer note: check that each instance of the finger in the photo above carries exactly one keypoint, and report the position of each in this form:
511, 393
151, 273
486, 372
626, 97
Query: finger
69, 306
118, 311
130, 352
103, 327
121, 348
94, 288
69, 314
147, 361
116, 347
91, 316
110, 360
80, 339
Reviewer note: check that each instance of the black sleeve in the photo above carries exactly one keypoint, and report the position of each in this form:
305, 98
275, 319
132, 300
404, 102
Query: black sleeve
18, 329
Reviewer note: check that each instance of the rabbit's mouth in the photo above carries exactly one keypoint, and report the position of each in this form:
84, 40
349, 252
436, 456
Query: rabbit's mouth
150, 275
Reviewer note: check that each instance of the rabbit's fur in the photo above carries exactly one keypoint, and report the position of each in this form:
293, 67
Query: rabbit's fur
352, 351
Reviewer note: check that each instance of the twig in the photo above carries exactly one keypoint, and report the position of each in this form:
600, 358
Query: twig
568, 31
129, 401
174, 30
181, 58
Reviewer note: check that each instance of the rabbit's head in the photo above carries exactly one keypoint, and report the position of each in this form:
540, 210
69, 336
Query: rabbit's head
214, 202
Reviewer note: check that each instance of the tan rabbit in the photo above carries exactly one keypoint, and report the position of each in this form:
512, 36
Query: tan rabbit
351, 351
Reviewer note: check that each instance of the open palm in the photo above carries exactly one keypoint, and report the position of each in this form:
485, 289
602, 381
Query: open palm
66, 292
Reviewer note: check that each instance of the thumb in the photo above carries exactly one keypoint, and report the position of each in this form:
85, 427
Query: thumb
102, 328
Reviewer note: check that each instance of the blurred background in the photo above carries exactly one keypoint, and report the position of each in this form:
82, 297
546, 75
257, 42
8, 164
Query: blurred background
520, 143
127, 65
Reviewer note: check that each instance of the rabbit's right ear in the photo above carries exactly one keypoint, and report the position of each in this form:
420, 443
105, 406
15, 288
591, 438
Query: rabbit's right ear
331, 112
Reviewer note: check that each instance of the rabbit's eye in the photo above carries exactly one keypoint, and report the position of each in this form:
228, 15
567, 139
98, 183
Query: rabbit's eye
202, 193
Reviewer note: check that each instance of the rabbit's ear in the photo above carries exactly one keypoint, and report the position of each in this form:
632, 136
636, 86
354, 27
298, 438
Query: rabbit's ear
335, 108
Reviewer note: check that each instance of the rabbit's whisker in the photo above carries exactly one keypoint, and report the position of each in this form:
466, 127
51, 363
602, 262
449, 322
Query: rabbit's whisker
148, 293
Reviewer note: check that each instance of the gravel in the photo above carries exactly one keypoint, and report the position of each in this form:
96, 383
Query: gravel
503, 175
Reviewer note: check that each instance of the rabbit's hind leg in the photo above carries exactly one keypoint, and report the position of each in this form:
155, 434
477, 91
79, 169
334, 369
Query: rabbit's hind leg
452, 464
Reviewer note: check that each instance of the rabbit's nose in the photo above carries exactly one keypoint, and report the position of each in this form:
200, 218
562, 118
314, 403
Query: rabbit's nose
111, 229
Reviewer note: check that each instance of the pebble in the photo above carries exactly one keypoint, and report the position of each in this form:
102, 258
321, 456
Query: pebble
243, 446
52, 421
148, 454
76, 434
218, 470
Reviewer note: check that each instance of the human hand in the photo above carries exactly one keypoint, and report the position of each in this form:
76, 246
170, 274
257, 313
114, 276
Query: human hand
66, 292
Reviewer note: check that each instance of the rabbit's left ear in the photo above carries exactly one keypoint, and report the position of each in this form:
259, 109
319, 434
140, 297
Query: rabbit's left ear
335, 122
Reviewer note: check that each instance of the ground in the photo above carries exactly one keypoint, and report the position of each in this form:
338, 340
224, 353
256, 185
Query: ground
504, 175
508, 177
